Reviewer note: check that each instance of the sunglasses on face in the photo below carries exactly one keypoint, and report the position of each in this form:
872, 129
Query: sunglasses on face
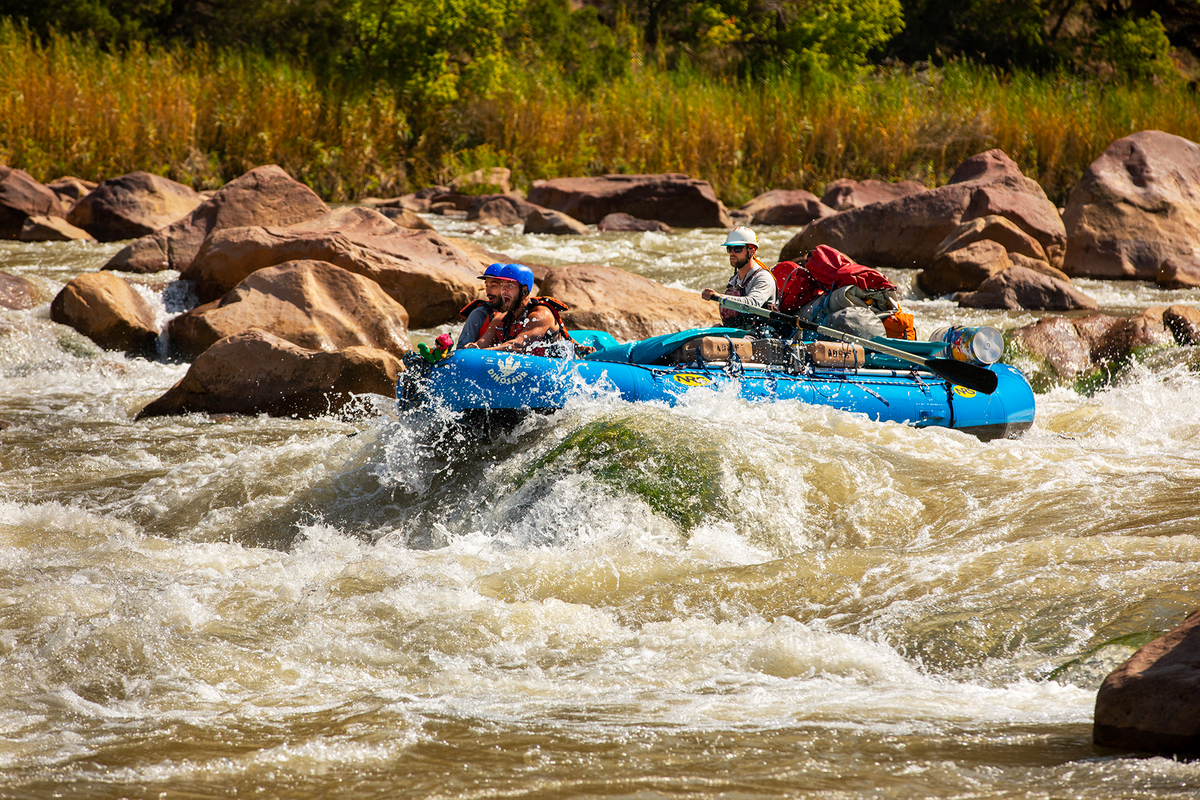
734, 248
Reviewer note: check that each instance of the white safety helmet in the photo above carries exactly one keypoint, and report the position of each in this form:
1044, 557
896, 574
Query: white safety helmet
741, 235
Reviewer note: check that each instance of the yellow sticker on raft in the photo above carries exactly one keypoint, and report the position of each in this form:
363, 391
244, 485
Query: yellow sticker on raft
688, 379
963, 391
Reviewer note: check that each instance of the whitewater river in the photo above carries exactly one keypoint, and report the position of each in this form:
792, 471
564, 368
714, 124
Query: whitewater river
625, 601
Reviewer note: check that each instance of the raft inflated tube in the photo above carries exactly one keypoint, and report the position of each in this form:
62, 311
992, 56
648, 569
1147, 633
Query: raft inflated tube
979, 345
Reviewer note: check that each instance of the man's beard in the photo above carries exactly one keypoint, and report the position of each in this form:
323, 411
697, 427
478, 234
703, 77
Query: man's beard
497, 304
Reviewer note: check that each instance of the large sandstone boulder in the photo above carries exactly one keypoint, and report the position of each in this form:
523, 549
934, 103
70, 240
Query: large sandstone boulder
964, 268
258, 373
547, 220
845, 193
626, 305
107, 310
422, 270
70, 190
263, 196
1023, 288
133, 205
675, 199
1072, 347
17, 293
312, 304
785, 207
501, 209
406, 219
1136, 206
620, 221
906, 233
1179, 272
1151, 703
52, 229
977, 250
418, 201
20, 197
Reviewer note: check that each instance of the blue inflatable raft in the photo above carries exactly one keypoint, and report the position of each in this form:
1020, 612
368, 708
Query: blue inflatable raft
883, 387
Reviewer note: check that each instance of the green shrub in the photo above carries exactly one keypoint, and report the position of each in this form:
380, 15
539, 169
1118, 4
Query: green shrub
1136, 49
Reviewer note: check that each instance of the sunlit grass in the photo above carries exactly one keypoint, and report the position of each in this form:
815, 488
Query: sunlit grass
789, 132
204, 117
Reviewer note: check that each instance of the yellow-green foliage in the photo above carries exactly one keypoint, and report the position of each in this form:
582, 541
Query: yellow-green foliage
792, 132
69, 108
205, 117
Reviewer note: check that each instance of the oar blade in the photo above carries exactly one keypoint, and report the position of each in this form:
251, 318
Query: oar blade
971, 376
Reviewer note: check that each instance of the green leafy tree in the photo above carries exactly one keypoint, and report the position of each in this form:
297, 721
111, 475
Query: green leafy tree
433, 51
1128, 35
758, 33
576, 42
1136, 49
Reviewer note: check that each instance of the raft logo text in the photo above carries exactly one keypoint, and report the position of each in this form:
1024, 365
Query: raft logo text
506, 374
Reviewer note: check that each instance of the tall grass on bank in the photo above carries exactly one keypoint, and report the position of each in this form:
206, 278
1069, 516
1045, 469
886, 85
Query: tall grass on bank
200, 117
786, 132
204, 117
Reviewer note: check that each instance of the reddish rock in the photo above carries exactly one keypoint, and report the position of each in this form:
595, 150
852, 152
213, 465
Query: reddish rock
311, 304
259, 373
107, 310
1184, 323
406, 219
17, 293
502, 209
621, 221
20, 197
418, 202
906, 233
1179, 272
1123, 336
1018, 287
784, 207
997, 229
52, 229
263, 196
1057, 340
70, 190
1136, 206
675, 199
845, 193
423, 271
1037, 265
1072, 347
626, 305
963, 269
1151, 703
545, 220
133, 205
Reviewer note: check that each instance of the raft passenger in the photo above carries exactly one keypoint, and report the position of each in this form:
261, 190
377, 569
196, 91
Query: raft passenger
751, 280
520, 323
479, 313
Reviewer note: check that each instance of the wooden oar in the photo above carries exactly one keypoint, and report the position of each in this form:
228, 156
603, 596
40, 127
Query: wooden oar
972, 376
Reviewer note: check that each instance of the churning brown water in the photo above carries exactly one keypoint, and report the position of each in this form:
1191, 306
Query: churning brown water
715, 600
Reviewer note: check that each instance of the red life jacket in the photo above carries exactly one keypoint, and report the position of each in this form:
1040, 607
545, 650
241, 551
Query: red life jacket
512, 326
474, 304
